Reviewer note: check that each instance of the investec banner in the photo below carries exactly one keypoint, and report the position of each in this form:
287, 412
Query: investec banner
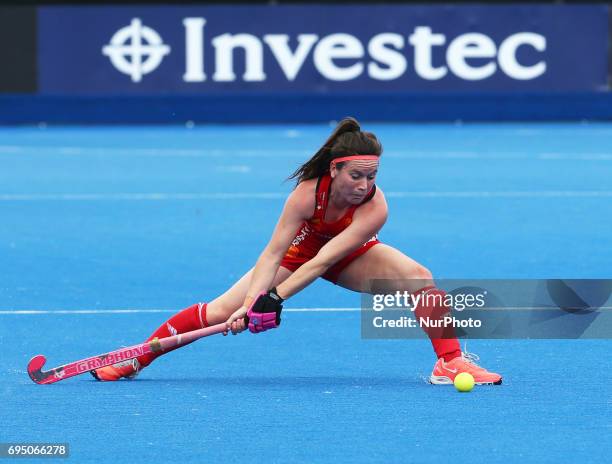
320, 49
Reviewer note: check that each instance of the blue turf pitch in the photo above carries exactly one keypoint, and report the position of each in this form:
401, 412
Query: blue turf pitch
147, 218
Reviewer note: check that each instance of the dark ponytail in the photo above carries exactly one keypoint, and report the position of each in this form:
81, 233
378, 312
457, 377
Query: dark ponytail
346, 139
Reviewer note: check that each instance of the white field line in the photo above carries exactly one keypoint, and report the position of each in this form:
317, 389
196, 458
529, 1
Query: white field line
142, 311
148, 152
141, 196
283, 153
281, 195
290, 310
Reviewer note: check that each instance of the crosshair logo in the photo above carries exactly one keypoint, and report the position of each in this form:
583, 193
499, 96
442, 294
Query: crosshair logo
136, 50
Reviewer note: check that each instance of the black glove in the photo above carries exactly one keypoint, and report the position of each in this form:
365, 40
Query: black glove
265, 311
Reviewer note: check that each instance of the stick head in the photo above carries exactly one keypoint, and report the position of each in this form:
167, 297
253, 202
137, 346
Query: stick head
35, 369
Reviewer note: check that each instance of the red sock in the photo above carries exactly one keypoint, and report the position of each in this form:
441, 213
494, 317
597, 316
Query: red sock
444, 341
188, 319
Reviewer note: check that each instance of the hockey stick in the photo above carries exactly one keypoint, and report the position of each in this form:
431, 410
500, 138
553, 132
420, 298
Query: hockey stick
106, 359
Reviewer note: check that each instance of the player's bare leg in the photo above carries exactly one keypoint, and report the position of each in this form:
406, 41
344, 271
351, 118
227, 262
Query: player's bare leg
394, 271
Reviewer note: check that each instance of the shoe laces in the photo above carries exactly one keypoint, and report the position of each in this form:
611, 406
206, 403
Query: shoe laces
471, 358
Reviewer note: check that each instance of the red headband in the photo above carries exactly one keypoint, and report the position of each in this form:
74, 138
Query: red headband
355, 157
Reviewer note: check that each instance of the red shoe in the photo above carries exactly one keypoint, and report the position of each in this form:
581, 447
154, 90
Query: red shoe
444, 373
126, 369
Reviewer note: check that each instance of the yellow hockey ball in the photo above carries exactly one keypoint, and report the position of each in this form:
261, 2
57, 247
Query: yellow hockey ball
464, 382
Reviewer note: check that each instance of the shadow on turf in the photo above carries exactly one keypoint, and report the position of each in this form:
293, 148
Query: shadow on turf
287, 381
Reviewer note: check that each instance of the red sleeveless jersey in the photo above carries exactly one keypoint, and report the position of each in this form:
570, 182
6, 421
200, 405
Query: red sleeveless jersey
314, 233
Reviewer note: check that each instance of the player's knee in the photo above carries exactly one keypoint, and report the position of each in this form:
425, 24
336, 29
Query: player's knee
419, 275
422, 273
411, 278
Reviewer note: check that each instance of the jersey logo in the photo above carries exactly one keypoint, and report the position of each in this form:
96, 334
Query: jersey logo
301, 236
